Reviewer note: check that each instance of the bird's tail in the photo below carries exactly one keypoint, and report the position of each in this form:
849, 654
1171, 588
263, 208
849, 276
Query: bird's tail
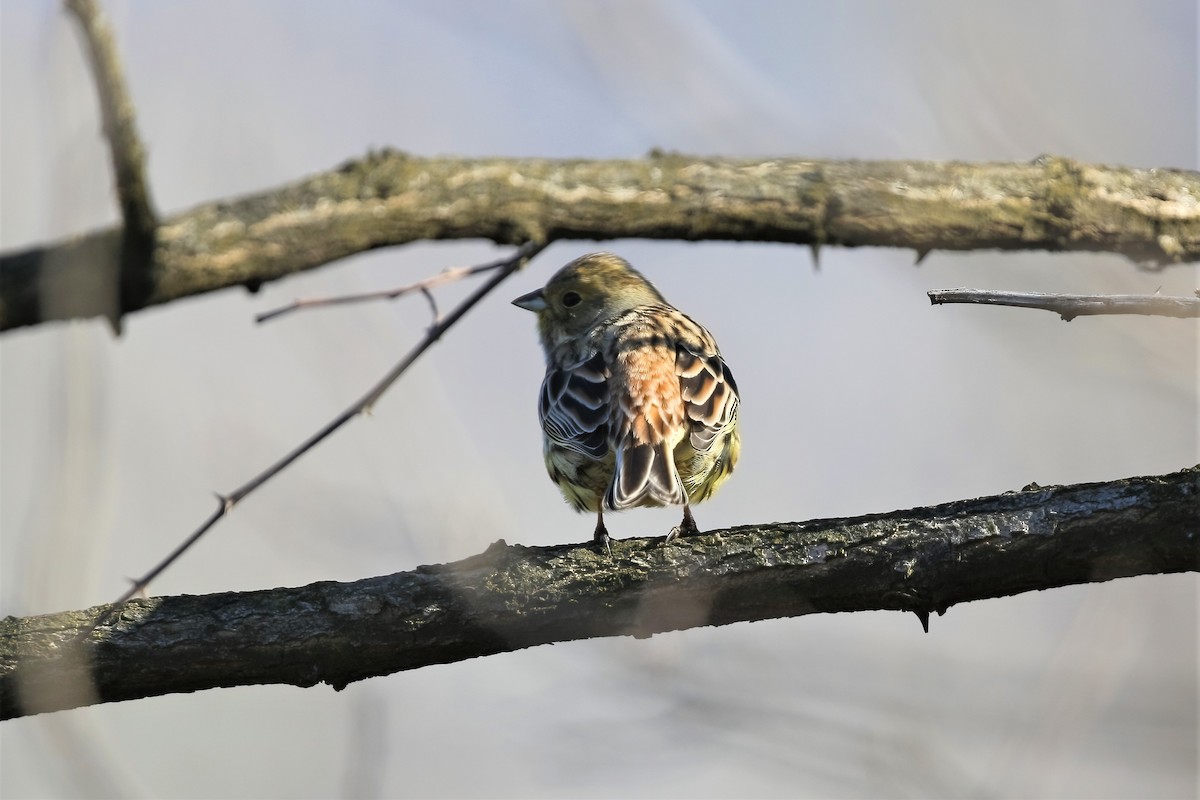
645, 475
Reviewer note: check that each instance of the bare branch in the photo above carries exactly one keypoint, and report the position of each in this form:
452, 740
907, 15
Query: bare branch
388, 198
510, 597
106, 287
445, 276
1069, 306
433, 306
503, 268
116, 112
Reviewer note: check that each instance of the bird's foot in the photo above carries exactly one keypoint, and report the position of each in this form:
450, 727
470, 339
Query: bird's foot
687, 527
602, 541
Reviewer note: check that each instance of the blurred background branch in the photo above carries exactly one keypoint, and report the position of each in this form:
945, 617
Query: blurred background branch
132, 274
511, 597
117, 114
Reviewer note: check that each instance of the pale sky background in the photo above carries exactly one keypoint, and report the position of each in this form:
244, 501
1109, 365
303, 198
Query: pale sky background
858, 397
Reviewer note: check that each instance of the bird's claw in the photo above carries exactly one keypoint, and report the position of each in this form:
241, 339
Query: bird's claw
603, 543
680, 531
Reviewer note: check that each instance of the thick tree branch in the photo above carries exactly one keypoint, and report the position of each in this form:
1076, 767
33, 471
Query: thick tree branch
388, 198
512, 597
1070, 306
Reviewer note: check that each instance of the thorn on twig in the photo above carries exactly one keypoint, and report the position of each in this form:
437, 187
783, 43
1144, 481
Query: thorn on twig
924, 617
921, 253
113, 318
226, 502
815, 248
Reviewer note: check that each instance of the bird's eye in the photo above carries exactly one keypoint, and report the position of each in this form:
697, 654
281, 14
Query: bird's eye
571, 299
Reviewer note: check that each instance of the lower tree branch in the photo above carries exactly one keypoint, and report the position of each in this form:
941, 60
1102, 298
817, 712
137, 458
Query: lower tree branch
511, 597
390, 198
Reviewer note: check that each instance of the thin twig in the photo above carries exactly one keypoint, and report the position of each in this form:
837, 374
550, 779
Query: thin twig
116, 111
433, 306
1069, 306
444, 277
363, 405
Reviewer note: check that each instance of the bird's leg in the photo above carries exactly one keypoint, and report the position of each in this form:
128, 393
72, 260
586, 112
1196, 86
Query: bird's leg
600, 538
688, 527
685, 528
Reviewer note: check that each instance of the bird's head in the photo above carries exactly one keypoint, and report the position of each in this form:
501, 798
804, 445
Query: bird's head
584, 293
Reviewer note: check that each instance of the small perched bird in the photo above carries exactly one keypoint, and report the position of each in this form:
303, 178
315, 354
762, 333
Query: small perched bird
637, 406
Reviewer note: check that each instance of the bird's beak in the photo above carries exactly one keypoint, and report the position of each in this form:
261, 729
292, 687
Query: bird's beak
534, 301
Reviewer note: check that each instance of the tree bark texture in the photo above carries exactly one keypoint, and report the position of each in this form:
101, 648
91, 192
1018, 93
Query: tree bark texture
511, 597
1152, 216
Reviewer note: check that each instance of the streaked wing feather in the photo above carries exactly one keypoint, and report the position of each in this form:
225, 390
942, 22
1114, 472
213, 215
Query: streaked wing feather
710, 394
574, 406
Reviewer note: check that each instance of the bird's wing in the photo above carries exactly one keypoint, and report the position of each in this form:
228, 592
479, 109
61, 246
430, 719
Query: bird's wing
574, 406
709, 394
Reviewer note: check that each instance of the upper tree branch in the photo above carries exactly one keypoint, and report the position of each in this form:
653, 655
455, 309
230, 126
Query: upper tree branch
1151, 216
512, 597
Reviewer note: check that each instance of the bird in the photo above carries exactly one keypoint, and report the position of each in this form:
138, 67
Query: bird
637, 407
